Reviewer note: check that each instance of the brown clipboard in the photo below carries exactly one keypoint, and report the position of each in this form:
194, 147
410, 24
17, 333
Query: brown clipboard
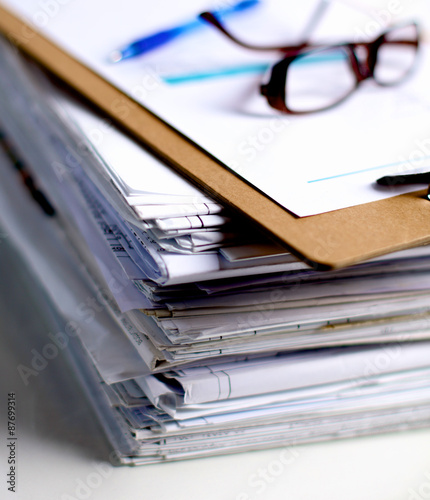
330, 240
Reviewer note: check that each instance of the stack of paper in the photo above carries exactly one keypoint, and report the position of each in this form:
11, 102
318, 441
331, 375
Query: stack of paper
191, 332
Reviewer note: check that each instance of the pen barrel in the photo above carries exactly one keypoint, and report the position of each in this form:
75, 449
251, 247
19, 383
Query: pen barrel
160, 38
157, 40
239, 7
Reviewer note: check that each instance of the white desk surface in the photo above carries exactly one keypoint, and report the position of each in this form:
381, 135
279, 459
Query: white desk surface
62, 452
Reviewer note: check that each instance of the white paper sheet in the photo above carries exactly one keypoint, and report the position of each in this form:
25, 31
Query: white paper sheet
209, 326
309, 164
283, 373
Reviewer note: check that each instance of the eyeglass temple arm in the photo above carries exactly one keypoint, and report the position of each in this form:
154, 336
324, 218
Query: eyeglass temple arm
289, 49
315, 19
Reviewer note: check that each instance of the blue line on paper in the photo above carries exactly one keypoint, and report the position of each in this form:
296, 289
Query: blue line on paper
203, 75
379, 167
246, 68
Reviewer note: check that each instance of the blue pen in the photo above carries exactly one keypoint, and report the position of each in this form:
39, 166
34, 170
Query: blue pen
155, 40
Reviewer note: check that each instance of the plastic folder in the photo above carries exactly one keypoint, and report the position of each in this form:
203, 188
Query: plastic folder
330, 240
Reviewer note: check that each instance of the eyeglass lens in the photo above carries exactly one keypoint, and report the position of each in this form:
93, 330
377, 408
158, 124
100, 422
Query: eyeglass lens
319, 80
396, 56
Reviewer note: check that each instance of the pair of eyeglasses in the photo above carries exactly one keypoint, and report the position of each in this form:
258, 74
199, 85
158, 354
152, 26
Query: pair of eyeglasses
313, 78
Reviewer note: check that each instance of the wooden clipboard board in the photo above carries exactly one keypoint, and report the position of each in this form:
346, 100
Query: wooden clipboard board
330, 240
